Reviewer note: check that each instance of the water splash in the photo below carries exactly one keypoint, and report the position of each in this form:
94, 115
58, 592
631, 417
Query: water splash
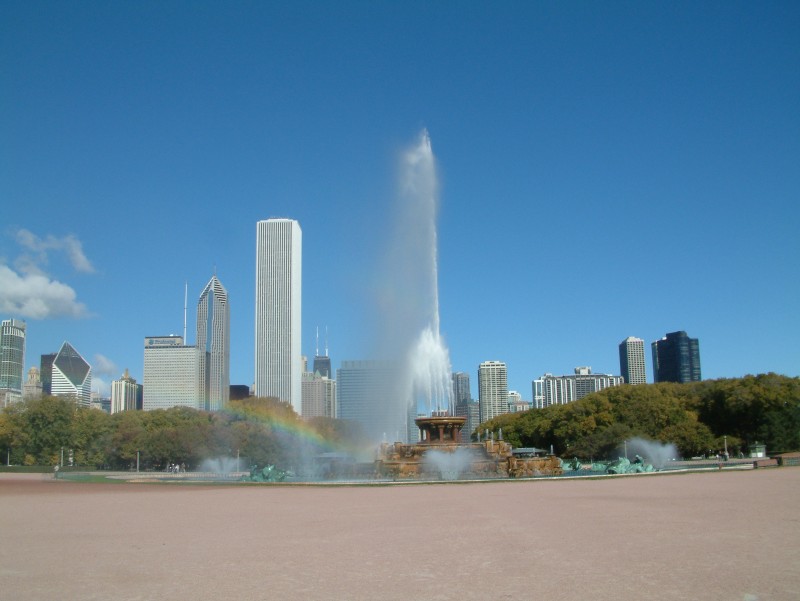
430, 373
220, 465
654, 452
450, 466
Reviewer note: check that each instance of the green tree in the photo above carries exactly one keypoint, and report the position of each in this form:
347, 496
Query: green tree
42, 428
88, 431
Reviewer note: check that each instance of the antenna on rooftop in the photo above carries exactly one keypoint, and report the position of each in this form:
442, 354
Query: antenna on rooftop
185, 300
316, 353
326, 341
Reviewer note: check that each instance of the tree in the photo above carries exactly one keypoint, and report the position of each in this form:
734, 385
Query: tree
88, 430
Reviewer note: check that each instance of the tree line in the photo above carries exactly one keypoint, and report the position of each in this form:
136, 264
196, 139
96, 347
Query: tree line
260, 431
699, 418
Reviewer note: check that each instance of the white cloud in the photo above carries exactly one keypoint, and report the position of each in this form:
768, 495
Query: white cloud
103, 365
70, 245
100, 386
36, 296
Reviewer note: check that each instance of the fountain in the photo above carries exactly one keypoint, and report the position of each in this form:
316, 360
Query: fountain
409, 295
427, 380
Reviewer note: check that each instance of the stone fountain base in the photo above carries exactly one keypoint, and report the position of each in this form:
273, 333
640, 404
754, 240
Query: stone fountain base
439, 457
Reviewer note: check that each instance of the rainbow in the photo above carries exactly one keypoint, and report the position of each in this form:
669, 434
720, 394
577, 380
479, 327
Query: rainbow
281, 419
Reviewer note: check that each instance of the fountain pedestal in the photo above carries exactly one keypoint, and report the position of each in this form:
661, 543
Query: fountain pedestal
440, 429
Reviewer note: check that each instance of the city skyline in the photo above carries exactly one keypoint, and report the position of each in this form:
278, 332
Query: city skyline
646, 154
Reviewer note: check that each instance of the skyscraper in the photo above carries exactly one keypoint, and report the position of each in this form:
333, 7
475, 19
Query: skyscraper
363, 391
676, 358
631, 360
46, 372
72, 376
214, 346
278, 367
464, 405
461, 392
12, 360
319, 395
492, 389
124, 393
322, 363
170, 374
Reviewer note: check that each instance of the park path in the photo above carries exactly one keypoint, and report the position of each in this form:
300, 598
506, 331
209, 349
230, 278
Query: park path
709, 536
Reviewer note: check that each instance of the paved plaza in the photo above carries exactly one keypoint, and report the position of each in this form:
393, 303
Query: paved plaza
727, 536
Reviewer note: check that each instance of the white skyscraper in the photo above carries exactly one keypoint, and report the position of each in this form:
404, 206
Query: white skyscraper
123, 393
492, 389
631, 360
214, 346
170, 373
72, 376
278, 362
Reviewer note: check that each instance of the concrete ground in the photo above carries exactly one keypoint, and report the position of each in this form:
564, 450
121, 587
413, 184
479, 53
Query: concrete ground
730, 535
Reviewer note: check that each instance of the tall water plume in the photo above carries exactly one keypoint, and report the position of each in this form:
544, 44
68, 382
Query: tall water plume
411, 300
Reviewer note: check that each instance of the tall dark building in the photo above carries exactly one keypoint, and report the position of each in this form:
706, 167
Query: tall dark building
464, 406
239, 392
461, 393
322, 365
676, 358
46, 372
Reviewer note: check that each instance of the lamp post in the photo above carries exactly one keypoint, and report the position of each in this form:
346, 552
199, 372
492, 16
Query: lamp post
725, 438
237, 460
62, 456
137, 461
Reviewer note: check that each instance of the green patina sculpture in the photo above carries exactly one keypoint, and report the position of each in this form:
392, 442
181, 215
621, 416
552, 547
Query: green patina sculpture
621, 465
624, 466
269, 473
571, 465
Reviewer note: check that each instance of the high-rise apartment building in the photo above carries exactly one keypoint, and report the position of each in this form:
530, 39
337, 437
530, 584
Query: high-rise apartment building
278, 367
492, 389
516, 404
170, 374
12, 360
537, 388
631, 360
560, 390
124, 393
676, 358
319, 395
72, 376
364, 394
213, 346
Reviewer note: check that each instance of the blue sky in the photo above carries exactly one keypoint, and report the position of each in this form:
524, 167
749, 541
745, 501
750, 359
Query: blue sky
607, 170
